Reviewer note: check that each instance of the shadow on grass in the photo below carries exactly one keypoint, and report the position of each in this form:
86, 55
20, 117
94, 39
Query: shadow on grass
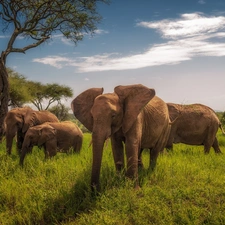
79, 199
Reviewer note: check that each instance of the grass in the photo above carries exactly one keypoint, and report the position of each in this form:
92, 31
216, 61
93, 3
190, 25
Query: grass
187, 187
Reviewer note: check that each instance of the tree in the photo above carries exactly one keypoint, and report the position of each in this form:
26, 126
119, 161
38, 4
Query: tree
37, 20
61, 111
24, 91
48, 94
19, 90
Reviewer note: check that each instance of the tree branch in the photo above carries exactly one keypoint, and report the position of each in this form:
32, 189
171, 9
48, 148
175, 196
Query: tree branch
23, 50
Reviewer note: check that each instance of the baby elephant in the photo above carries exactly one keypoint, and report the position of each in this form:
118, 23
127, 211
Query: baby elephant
54, 137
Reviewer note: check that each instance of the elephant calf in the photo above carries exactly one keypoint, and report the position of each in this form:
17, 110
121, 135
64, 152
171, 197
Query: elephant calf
53, 137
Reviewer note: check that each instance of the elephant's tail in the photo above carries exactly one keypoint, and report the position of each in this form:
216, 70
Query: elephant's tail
221, 128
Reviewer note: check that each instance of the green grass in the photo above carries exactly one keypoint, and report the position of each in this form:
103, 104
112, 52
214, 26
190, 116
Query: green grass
187, 187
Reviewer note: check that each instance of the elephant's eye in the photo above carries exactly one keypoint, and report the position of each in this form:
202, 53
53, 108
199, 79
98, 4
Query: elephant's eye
113, 115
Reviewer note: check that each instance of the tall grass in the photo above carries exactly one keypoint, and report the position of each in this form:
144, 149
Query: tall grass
187, 187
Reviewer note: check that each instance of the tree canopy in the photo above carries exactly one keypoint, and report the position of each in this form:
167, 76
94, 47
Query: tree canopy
19, 91
37, 21
49, 94
40, 95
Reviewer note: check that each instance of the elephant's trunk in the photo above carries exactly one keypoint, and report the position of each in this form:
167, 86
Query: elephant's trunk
26, 148
98, 141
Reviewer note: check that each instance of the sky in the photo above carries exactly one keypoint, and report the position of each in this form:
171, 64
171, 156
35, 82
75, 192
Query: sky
176, 47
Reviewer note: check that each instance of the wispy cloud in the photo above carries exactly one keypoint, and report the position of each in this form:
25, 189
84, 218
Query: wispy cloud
189, 36
66, 41
100, 31
56, 61
202, 2
189, 25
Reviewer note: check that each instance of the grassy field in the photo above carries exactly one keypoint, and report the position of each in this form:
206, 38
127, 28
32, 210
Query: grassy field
187, 187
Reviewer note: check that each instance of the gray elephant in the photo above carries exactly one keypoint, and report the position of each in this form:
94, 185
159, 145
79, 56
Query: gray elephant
53, 137
133, 115
194, 124
17, 122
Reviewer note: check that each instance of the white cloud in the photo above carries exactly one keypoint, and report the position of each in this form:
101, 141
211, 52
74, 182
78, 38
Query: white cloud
189, 36
100, 31
188, 25
55, 61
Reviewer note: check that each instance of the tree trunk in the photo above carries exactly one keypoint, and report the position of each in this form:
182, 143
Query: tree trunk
4, 95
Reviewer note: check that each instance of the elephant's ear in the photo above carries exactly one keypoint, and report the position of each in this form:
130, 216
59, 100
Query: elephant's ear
174, 111
40, 139
28, 120
134, 99
46, 133
82, 105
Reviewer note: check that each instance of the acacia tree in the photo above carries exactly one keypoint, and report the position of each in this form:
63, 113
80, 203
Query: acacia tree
37, 20
48, 94
40, 95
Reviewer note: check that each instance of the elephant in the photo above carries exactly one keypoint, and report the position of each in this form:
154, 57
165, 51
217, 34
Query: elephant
53, 137
133, 116
194, 124
18, 120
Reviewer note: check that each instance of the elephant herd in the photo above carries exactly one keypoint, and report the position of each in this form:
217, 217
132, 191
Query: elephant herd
40, 128
133, 117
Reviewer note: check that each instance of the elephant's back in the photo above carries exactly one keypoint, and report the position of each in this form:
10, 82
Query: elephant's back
198, 113
46, 116
67, 128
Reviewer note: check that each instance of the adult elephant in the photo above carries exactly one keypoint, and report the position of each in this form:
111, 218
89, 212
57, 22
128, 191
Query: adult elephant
61, 137
194, 124
18, 120
133, 115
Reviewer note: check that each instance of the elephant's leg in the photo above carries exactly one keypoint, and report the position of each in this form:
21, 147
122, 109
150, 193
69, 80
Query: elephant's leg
159, 147
22, 155
169, 147
208, 144
169, 144
154, 153
51, 153
207, 147
118, 152
140, 163
9, 141
211, 140
19, 143
216, 146
78, 145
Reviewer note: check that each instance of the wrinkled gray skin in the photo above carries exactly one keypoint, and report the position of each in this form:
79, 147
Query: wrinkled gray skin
54, 137
193, 124
133, 115
17, 122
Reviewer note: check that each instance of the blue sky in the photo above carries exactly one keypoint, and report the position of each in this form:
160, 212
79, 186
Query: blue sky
176, 47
